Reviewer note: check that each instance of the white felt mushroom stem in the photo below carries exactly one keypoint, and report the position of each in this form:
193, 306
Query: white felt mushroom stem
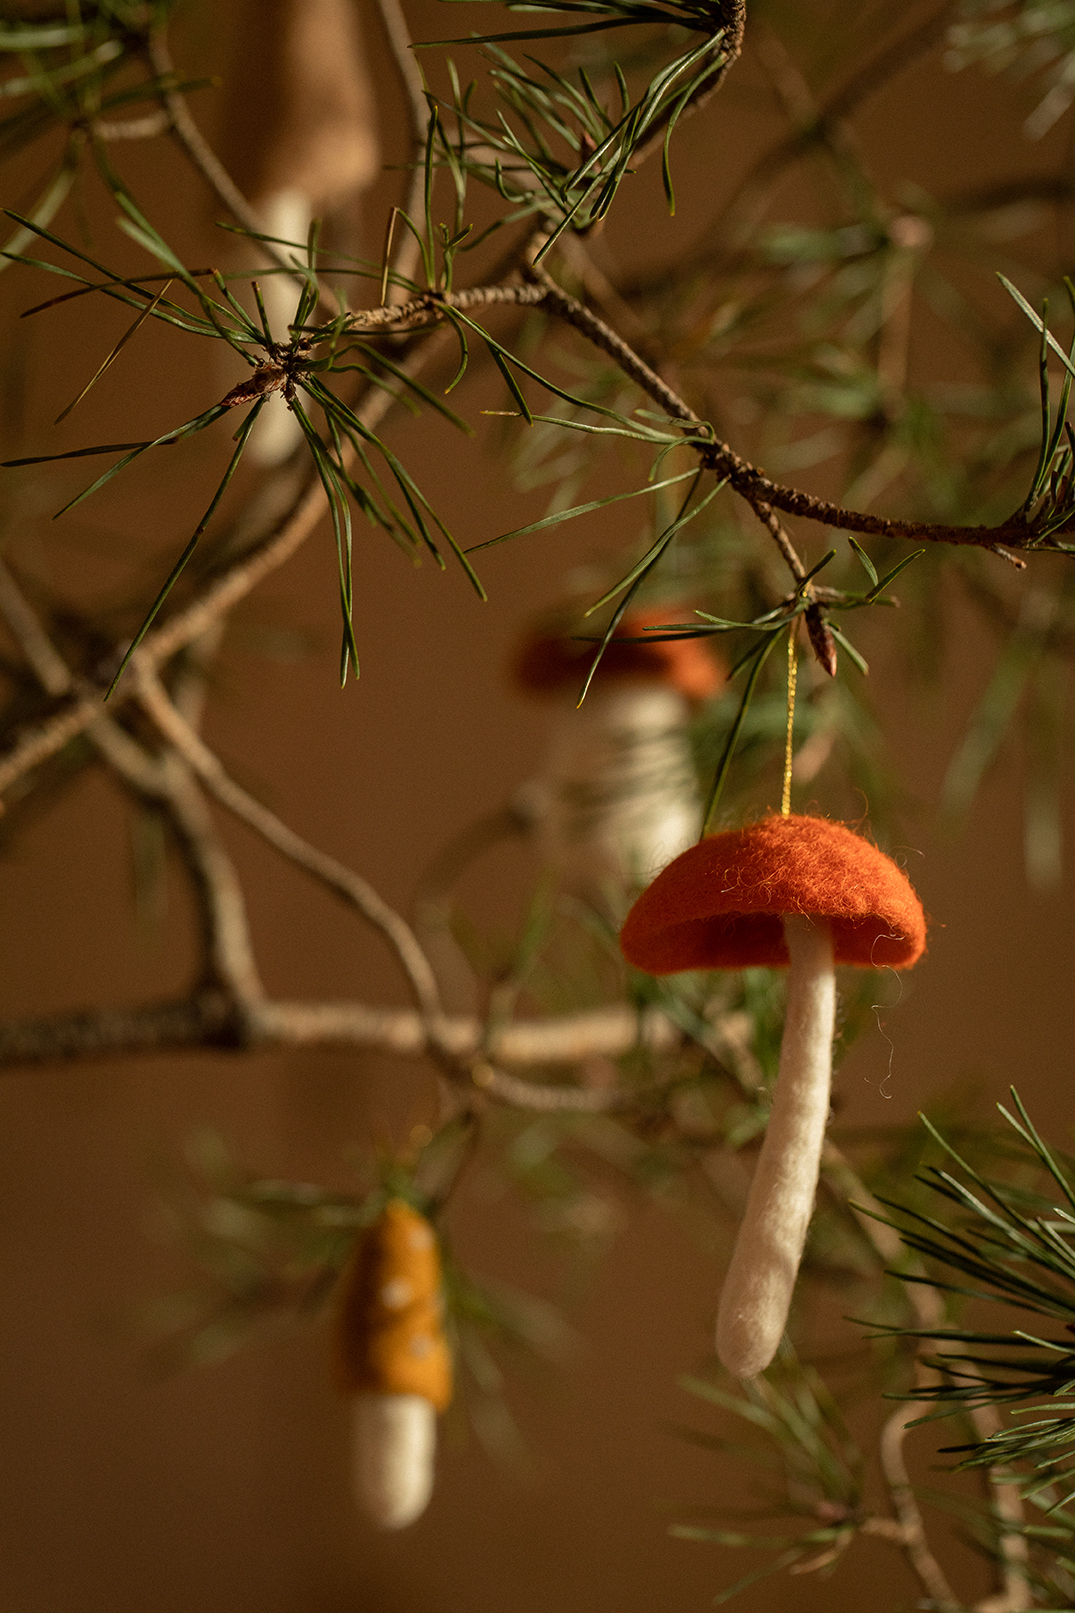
756, 1296
394, 1441
618, 798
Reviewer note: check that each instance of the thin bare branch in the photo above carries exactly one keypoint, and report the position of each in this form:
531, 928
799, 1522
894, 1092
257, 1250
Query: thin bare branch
42, 741
356, 891
208, 1019
191, 680
543, 1098
194, 144
928, 1310
427, 310
600, 291
1012, 1593
147, 128
400, 43
221, 905
773, 525
394, 23
48, 666
751, 483
221, 901
908, 1514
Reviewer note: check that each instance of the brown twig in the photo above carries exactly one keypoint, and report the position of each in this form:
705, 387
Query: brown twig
356, 891
190, 682
428, 309
303, 514
290, 531
906, 1508
400, 43
928, 1310
599, 290
542, 1098
47, 665
147, 128
238, 1010
207, 1019
394, 23
229, 951
1012, 1593
197, 148
38, 743
202, 156
167, 781
773, 525
818, 630
750, 482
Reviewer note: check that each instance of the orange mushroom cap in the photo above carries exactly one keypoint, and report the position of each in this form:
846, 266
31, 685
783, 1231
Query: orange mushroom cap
549, 659
719, 905
389, 1334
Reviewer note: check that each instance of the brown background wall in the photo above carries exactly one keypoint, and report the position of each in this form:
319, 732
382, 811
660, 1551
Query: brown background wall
225, 1490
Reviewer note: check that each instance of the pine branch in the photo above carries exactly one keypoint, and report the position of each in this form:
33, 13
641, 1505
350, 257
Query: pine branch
751, 483
208, 1018
1012, 1594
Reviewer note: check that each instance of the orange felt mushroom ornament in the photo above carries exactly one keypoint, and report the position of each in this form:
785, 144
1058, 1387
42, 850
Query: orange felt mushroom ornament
393, 1360
802, 893
617, 796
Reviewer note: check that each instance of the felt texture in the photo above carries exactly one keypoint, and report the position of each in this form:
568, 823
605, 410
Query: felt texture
720, 904
551, 661
389, 1336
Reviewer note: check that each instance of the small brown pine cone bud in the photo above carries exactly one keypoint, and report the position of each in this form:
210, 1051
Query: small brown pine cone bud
821, 639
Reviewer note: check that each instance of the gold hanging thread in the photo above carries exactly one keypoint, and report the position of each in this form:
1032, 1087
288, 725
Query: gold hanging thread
793, 673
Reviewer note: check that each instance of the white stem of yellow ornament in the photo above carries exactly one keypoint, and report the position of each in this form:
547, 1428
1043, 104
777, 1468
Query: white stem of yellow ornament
394, 1441
757, 1291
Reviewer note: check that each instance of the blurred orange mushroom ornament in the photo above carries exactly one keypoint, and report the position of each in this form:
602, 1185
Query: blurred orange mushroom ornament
802, 893
393, 1360
617, 797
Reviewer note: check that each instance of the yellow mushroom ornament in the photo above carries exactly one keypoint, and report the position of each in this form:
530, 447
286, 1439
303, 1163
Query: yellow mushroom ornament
392, 1359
